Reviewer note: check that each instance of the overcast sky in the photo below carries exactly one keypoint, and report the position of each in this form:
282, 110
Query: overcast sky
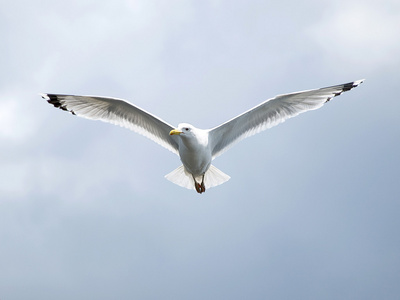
312, 208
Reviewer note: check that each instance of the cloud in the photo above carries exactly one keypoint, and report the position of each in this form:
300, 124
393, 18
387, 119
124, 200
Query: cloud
17, 120
85, 210
359, 33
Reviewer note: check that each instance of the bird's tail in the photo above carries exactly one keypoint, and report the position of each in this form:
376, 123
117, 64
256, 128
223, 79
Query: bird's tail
181, 177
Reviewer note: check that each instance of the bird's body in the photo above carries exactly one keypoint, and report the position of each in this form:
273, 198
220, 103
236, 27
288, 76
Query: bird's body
197, 147
194, 149
195, 152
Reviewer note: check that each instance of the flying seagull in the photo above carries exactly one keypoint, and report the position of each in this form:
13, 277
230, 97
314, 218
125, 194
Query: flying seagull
198, 147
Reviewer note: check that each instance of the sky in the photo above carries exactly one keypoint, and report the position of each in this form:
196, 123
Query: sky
312, 207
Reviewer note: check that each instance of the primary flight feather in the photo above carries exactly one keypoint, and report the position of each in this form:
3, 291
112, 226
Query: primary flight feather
197, 147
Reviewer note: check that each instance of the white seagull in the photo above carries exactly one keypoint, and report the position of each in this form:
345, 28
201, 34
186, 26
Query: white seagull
198, 147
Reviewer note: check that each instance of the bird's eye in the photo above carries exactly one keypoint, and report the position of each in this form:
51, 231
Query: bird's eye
187, 129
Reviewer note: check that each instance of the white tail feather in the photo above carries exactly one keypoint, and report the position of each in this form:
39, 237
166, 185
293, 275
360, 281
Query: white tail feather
180, 177
213, 177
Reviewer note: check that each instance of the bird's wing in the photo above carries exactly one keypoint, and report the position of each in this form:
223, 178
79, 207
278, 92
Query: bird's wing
271, 113
118, 112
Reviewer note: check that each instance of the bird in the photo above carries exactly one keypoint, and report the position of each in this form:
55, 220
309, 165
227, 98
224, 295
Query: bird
196, 147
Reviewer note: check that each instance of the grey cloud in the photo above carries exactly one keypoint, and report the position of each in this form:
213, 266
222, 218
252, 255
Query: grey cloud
310, 211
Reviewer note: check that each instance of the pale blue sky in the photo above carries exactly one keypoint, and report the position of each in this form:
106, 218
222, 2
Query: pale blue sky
312, 208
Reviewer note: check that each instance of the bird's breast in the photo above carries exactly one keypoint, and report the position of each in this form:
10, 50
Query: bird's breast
196, 161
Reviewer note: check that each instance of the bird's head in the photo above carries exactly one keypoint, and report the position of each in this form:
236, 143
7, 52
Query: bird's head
191, 136
184, 130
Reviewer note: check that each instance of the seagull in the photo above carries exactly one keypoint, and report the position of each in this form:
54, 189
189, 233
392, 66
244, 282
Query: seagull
197, 148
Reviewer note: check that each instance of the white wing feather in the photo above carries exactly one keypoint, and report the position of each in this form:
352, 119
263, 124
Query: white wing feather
271, 113
118, 112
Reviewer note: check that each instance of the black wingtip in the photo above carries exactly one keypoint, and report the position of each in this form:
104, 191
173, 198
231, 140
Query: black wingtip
56, 102
52, 99
347, 87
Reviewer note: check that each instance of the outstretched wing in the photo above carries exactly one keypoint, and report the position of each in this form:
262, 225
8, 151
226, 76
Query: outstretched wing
118, 112
271, 113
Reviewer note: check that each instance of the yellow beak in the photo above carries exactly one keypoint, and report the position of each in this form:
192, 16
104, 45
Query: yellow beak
175, 132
